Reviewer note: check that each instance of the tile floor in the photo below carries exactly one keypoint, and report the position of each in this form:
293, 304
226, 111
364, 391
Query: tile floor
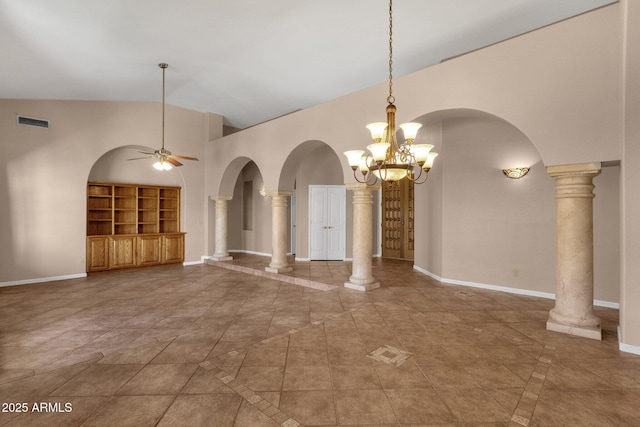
211, 346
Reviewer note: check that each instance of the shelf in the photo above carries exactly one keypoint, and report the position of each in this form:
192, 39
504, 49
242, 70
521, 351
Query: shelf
132, 209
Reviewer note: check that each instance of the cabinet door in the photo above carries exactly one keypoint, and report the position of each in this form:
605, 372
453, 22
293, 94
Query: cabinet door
149, 250
173, 248
97, 253
124, 251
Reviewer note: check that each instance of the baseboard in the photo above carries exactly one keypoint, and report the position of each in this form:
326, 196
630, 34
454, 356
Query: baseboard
43, 279
243, 251
627, 348
518, 291
202, 259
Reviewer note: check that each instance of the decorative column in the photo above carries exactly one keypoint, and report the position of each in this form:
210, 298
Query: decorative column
573, 312
279, 263
221, 253
361, 275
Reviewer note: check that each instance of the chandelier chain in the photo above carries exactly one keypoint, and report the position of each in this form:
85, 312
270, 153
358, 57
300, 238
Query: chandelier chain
391, 99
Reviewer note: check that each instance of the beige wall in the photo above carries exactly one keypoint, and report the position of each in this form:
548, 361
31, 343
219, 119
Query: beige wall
497, 231
257, 237
630, 199
45, 171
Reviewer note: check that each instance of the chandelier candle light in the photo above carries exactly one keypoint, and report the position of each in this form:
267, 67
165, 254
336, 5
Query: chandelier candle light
387, 160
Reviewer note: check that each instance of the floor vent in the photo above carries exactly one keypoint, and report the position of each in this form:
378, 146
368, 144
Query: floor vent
30, 121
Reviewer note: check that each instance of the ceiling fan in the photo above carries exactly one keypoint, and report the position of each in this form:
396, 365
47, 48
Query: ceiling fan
166, 160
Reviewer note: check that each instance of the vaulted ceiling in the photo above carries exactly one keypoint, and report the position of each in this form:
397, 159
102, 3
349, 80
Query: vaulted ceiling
248, 60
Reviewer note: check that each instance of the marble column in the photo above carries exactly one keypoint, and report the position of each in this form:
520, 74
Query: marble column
279, 263
221, 253
361, 275
573, 311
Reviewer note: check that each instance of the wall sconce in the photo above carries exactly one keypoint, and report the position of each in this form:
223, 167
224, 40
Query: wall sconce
263, 192
515, 173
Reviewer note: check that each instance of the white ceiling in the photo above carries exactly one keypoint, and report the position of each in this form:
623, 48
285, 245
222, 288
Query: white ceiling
248, 60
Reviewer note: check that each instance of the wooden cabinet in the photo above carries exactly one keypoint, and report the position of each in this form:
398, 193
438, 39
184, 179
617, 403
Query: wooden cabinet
173, 249
98, 253
150, 249
131, 225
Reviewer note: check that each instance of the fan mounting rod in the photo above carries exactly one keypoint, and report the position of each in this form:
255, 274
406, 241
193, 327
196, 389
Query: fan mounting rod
164, 67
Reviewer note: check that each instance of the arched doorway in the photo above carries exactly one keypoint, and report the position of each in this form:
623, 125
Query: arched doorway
398, 219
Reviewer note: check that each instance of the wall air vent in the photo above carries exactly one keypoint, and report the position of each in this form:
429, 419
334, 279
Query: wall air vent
30, 121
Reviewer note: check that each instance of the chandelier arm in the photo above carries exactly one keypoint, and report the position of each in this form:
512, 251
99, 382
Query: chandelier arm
426, 176
416, 179
355, 176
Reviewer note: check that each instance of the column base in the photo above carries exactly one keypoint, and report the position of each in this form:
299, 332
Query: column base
592, 332
278, 269
362, 287
222, 258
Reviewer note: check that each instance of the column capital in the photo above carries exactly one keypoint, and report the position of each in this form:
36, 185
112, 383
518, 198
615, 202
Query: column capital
221, 198
276, 193
587, 169
355, 186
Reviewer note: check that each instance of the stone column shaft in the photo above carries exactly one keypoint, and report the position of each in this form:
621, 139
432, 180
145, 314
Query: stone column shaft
573, 311
279, 263
221, 253
361, 275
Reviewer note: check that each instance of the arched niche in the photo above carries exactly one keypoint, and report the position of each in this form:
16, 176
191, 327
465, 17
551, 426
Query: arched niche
115, 166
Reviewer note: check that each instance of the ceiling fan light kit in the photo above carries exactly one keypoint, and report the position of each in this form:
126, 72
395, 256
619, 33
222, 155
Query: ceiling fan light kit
165, 160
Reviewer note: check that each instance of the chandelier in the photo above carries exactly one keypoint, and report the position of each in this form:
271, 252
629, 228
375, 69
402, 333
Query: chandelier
388, 160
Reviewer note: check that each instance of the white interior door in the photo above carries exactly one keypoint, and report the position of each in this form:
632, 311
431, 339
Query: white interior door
327, 222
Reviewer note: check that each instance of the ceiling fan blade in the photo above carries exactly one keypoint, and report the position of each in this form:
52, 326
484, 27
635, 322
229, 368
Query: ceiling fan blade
144, 152
140, 158
173, 161
183, 157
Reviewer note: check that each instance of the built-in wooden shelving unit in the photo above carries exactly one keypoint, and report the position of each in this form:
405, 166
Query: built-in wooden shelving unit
131, 225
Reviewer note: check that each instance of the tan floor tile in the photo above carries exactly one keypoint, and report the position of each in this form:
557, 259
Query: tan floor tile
134, 411
402, 377
273, 397
98, 380
569, 376
204, 410
300, 356
309, 337
184, 352
474, 405
449, 376
203, 382
354, 377
265, 356
250, 416
419, 407
309, 407
134, 354
586, 408
158, 379
493, 375
261, 378
40, 385
245, 332
307, 378
349, 355
363, 407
